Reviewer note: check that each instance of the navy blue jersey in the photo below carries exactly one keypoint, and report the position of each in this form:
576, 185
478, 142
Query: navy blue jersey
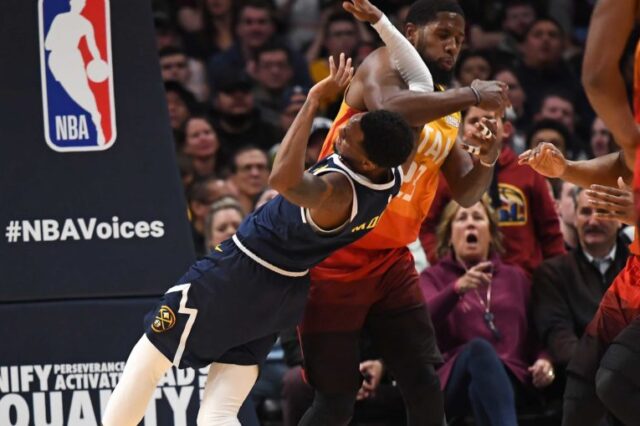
282, 235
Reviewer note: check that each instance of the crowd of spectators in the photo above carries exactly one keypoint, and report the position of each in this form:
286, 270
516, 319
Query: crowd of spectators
513, 280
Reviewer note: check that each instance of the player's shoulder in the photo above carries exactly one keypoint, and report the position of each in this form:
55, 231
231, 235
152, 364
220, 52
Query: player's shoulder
376, 59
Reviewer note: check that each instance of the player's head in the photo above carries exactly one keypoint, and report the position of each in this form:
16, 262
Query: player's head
374, 140
436, 29
77, 5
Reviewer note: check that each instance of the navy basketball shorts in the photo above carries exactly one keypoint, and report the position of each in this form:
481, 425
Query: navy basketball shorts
227, 308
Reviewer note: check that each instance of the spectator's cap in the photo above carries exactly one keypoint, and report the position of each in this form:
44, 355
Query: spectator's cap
232, 80
296, 94
320, 123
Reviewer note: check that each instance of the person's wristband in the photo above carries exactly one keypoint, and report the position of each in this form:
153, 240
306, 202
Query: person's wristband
476, 94
484, 163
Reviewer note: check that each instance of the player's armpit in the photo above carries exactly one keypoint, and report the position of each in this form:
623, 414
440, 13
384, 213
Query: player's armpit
315, 191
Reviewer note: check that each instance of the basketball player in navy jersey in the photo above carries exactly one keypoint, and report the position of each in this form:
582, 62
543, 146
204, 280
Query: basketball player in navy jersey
227, 309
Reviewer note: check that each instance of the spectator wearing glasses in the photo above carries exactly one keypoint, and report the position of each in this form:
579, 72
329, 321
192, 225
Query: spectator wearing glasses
255, 27
479, 307
249, 175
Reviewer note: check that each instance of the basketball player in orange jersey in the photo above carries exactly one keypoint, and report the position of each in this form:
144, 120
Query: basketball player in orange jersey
604, 375
374, 285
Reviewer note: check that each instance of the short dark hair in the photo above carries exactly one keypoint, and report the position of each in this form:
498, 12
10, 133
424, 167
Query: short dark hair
468, 54
185, 95
257, 4
547, 123
388, 139
170, 51
545, 19
340, 16
242, 150
272, 46
424, 11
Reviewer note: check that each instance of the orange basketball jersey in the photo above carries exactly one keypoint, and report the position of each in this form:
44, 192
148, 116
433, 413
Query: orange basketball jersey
635, 246
400, 223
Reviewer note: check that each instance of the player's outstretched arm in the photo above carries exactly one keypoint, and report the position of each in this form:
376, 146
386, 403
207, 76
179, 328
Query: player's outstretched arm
611, 24
288, 175
405, 57
547, 160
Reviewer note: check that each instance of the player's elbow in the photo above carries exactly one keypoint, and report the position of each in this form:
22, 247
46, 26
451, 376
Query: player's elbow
595, 78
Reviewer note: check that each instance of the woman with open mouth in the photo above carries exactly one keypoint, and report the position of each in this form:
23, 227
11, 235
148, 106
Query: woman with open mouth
480, 311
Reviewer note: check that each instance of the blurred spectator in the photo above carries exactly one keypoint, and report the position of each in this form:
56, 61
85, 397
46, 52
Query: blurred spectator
472, 65
202, 145
254, 28
526, 212
274, 73
302, 20
601, 142
209, 28
166, 34
176, 66
378, 402
479, 307
200, 197
338, 34
549, 130
292, 103
319, 131
181, 104
518, 99
517, 17
542, 68
187, 172
559, 106
223, 219
249, 175
237, 121
568, 289
566, 207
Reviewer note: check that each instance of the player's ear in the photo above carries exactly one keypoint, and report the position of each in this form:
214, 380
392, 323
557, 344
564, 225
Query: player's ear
411, 32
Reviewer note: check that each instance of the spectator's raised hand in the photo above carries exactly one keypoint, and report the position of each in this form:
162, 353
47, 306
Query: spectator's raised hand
613, 203
372, 371
542, 374
363, 10
334, 84
545, 159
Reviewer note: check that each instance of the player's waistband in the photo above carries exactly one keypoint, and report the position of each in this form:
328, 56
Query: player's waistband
266, 264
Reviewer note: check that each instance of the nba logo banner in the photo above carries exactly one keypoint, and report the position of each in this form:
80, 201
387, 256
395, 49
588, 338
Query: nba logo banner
76, 74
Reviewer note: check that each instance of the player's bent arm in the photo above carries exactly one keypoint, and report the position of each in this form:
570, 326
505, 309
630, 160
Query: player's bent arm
601, 76
314, 192
388, 91
603, 170
467, 181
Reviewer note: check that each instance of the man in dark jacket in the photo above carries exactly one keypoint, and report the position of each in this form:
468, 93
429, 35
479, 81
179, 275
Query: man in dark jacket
567, 289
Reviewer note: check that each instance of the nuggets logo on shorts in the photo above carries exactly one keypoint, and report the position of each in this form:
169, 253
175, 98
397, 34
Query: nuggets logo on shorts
76, 74
165, 320
513, 205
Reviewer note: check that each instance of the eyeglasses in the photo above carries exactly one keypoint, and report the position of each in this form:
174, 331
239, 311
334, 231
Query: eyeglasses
345, 33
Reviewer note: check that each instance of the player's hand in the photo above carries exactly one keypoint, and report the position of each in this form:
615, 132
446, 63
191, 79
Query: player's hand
613, 203
372, 371
545, 159
482, 142
331, 86
477, 275
542, 373
494, 95
363, 10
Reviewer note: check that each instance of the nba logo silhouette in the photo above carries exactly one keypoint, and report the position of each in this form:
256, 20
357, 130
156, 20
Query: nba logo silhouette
76, 74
